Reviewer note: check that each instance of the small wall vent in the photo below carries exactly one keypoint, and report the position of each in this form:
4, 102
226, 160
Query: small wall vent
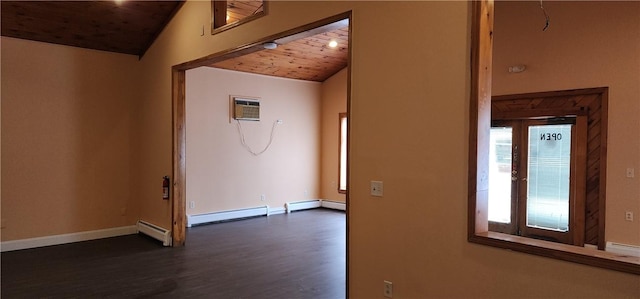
245, 108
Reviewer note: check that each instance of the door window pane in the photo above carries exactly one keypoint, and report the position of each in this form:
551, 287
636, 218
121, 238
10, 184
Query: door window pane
343, 153
548, 174
500, 174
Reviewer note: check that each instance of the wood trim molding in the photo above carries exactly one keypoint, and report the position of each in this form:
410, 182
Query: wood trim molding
603, 166
480, 115
538, 113
178, 200
570, 253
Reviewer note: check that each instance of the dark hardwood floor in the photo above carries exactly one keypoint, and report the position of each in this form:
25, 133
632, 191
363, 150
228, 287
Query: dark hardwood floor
298, 255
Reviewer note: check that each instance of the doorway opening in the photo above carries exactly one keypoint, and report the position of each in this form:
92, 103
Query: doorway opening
179, 217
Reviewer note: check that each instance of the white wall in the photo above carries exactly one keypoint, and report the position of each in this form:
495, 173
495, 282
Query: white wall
221, 174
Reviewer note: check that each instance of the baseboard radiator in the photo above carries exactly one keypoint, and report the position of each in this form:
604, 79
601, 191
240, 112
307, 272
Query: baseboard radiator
154, 231
334, 205
227, 215
623, 249
315, 203
302, 205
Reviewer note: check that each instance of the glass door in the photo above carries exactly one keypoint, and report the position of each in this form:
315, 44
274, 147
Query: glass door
545, 186
530, 178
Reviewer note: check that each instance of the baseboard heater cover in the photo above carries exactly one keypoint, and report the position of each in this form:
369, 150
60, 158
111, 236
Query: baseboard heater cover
161, 234
227, 215
274, 211
302, 205
623, 249
335, 205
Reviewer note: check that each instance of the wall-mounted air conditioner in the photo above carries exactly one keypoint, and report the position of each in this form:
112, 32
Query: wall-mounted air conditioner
244, 108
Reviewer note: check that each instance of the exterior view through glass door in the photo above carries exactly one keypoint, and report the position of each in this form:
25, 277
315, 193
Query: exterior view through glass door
531, 178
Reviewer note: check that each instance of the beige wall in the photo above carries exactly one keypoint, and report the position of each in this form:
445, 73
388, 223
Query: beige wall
588, 44
66, 121
334, 102
221, 174
409, 124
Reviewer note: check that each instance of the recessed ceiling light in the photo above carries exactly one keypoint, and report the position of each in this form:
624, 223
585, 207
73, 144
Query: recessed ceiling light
333, 44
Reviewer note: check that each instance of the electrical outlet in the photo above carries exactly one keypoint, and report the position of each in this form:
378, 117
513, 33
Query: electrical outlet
263, 197
192, 204
388, 289
123, 211
376, 188
628, 215
630, 172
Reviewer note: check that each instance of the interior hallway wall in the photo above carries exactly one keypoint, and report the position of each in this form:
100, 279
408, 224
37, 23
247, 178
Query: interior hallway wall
66, 142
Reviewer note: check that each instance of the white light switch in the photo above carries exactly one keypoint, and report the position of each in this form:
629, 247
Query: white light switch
376, 188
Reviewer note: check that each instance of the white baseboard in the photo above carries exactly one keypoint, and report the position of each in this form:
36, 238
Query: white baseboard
315, 203
263, 211
623, 249
157, 232
335, 205
275, 211
302, 205
67, 238
226, 215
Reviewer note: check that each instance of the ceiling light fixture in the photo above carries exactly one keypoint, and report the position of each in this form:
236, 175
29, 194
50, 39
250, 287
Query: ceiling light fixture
270, 45
333, 44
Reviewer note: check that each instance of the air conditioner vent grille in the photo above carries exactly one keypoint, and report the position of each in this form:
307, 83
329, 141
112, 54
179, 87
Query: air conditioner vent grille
245, 109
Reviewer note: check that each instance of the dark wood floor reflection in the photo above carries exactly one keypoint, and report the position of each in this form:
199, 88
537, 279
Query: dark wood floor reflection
298, 255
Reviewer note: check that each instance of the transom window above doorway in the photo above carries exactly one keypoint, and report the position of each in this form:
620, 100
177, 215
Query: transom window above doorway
227, 14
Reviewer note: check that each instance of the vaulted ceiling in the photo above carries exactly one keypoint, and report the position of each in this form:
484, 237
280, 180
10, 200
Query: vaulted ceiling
130, 27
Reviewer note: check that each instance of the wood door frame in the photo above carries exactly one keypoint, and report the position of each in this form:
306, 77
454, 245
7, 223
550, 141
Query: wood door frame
178, 200
588, 106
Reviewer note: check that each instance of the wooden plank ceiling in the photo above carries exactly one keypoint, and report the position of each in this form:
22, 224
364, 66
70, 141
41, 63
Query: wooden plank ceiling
240, 9
308, 58
128, 27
